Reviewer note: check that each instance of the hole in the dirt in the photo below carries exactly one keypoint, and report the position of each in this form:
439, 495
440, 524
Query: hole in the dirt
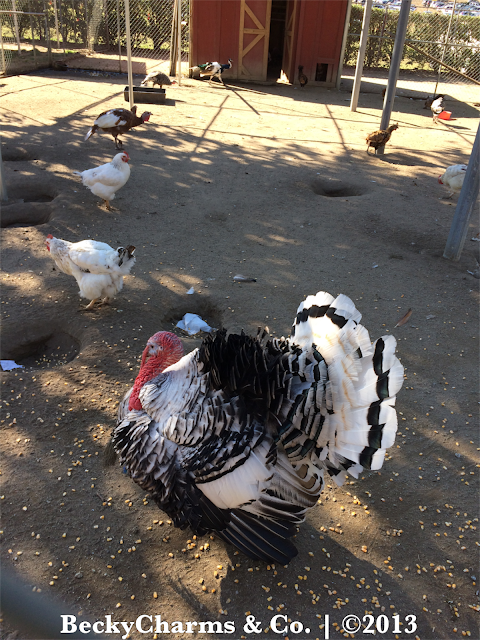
337, 189
40, 349
41, 197
28, 205
19, 154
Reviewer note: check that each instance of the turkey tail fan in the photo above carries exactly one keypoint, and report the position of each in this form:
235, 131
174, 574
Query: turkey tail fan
363, 380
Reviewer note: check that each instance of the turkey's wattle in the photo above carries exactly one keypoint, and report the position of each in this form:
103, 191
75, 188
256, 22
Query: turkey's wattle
163, 349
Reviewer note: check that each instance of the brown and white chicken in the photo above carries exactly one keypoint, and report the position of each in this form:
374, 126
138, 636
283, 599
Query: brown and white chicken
104, 181
117, 121
97, 268
380, 138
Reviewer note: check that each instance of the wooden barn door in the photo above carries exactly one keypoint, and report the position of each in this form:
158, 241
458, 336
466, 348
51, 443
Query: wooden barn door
288, 72
254, 36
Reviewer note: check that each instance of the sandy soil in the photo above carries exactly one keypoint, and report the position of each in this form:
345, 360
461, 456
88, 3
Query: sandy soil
273, 183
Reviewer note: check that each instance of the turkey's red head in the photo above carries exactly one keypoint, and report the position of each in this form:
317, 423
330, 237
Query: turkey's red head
47, 240
146, 116
163, 349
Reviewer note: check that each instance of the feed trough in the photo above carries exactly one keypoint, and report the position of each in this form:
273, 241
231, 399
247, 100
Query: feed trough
146, 95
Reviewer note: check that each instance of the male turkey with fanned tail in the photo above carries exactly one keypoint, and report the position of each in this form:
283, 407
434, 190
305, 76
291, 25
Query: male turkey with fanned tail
235, 437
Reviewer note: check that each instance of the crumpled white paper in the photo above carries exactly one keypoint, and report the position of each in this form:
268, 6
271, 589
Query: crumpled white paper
192, 323
8, 365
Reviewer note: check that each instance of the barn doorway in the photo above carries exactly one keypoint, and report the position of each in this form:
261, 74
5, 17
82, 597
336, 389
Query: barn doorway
277, 39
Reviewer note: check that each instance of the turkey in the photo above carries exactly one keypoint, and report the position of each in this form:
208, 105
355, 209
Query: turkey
380, 138
106, 180
157, 77
235, 437
117, 121
453, 178
215, 70
97, 268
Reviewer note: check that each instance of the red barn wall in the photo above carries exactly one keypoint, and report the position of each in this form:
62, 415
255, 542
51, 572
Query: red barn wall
215, 32
215, 26
319, 37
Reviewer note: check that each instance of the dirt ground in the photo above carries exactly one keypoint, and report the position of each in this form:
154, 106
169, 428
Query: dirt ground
273, 183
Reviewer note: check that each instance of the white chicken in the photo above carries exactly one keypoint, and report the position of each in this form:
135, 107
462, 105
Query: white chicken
236, 436
106, 180
453, 178
97, 268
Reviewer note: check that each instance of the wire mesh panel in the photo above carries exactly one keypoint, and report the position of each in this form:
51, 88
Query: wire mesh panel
25, 35
150, 29
431, 39
96, 26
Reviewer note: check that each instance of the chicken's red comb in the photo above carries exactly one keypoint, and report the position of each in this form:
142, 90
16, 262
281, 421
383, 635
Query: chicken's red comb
49, 236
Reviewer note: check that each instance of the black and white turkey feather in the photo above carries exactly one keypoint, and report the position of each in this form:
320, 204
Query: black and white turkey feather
235, 437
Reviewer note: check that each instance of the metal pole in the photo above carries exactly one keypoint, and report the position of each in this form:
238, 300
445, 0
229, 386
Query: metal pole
119, 39
87, 41
47, 34
445, 46
15, 24
395, 66
62, 29
179, 41
33, 42
173, 40
361, 55
466, 201
4, 64
3, 186
129, 53
56, 23
344, 44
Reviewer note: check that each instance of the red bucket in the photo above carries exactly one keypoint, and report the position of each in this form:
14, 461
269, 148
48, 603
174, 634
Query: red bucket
445, 115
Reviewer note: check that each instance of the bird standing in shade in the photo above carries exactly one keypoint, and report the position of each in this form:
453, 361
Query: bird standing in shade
106, 180
302, 78
453, 178
117, 121
380, 138
96, 266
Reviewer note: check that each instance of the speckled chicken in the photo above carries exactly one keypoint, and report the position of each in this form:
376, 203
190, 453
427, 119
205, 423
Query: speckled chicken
380, 138
235, 437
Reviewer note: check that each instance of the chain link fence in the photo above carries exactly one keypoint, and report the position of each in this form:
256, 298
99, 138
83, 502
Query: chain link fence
437, 45
93, 29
